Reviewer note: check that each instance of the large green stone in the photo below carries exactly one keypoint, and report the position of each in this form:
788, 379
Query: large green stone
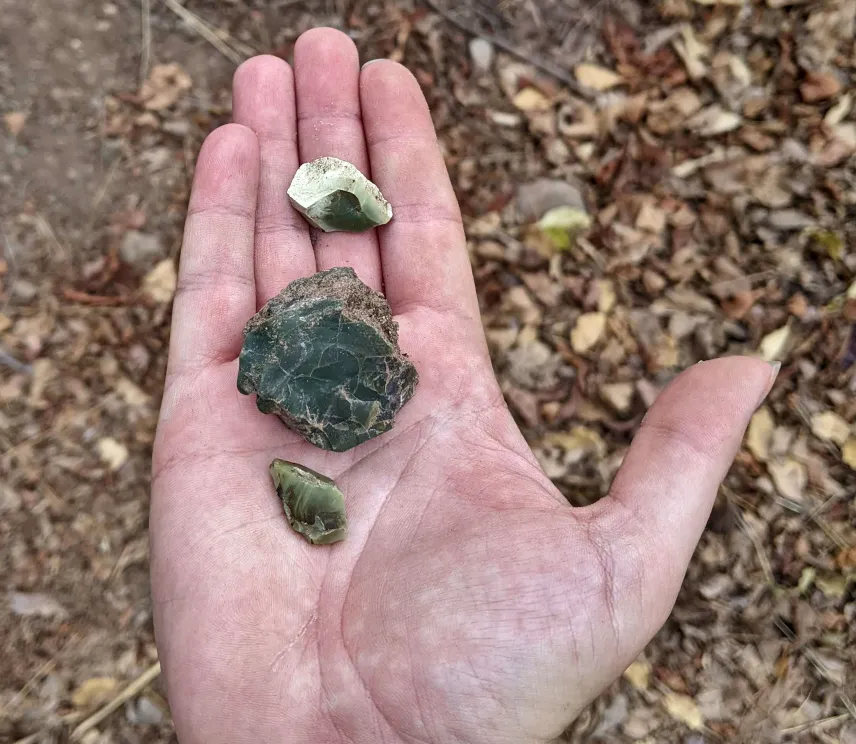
323, 355
313, 504
333, 195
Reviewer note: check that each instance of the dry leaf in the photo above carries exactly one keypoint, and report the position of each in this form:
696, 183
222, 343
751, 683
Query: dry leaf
94, 692
112, 453
819, 86
588, 331
15, 121
773, 345
606, 297
619, 395
532, 99
848, 453
160, 283
790, 478
839, 111
578, 442
131, 393
714, 120
692, 52
759, 437
684, 709
165, 86
638, 674
830, 427
596, 77
651, 218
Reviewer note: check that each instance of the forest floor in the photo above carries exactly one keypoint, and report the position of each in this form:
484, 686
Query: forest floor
708, 148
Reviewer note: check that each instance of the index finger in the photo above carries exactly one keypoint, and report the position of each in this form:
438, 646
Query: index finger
423, 250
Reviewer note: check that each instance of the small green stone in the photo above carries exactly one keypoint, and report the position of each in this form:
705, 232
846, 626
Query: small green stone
333, 195
315, 507
323, 355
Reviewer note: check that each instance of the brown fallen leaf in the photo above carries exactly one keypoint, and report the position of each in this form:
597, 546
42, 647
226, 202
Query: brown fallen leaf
597, 77
588, 331
684, 709
114, 454
819, 85
15, 121
165, 85
848, 453
759, 436
790, 478
161, 282
94, 692
830, 427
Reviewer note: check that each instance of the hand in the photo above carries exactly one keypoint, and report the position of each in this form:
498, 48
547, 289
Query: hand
470, 602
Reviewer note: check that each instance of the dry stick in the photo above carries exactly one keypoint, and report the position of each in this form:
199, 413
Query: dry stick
146, 53
137, 686
542, 64
204, 30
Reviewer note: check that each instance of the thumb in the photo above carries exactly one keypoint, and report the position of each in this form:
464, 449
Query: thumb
662, 495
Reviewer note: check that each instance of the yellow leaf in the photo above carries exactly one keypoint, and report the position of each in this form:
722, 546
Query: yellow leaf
587, 331
848, 453
94, 692
606, 297
638, 674
773, 345
790, 478
830, 427
160, 283
684, 709
112, 453
532, 99
597, 77
578, 441
760, 434
562, 224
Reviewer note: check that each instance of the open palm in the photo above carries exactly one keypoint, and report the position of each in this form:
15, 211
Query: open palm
470, 602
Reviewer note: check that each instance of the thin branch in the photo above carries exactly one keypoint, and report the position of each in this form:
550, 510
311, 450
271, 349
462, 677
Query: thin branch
133, 689
146, 53
205, 31
541, 63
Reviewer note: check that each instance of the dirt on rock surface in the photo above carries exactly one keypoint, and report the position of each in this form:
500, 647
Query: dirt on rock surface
711, 143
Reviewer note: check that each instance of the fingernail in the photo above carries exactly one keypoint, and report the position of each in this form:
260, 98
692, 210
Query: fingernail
774, 373
372, 61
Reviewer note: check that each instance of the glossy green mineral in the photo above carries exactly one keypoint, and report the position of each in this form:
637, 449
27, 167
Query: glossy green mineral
333, 195
323, 355
313, 504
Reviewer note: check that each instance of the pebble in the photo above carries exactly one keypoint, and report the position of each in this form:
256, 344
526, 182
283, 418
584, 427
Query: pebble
481, 53
140, 249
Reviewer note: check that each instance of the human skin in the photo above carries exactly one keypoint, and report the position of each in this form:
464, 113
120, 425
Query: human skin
470, 602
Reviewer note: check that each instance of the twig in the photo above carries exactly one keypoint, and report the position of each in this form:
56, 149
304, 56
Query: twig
31, 739
7, 360
146, 53
812, 724
540, 62
205, 31
759, 549
137, 686
84, 298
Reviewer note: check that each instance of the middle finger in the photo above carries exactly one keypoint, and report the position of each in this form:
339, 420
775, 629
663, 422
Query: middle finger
329, 123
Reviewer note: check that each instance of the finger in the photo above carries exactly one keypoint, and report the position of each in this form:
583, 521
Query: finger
263, 100
662, 496
216, 292
327, 75
423, 249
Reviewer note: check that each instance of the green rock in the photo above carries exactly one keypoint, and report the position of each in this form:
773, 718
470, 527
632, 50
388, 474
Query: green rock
315, 507
323, 355
333, 195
